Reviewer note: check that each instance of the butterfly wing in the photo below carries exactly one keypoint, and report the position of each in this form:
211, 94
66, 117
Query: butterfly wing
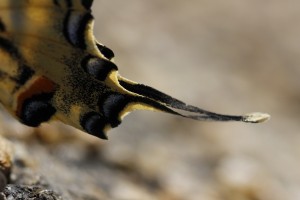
52, 67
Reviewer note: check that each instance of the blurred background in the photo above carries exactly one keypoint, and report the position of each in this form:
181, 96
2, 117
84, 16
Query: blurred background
231, 57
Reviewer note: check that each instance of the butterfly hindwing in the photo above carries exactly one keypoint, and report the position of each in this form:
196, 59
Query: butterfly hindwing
67, 69
52, 67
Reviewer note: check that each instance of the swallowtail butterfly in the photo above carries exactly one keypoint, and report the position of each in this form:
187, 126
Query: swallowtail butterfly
52, 67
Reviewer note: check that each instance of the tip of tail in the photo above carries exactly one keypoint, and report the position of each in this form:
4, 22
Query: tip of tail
256, 117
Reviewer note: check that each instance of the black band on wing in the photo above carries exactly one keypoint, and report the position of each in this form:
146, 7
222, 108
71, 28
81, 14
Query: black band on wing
2, 26
87, 4
114, 103
111, 105
9, 48
24, 74
152, 93
97, 67
94, 123
107, 52
75, 28
169, 101
36, 110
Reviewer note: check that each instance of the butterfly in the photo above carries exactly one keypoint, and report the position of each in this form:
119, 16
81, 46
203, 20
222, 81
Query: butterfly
53, 68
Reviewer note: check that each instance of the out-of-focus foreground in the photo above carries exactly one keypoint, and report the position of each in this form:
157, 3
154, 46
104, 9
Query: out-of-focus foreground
228, 56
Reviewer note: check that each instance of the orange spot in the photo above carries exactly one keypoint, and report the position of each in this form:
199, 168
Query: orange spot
40, 85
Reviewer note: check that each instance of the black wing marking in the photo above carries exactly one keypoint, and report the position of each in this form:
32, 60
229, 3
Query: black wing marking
54, 67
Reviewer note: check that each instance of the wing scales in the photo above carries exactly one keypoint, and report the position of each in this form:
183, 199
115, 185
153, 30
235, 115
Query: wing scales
53, 67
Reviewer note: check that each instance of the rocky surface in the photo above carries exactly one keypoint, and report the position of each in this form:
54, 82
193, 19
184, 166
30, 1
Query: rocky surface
226, 56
